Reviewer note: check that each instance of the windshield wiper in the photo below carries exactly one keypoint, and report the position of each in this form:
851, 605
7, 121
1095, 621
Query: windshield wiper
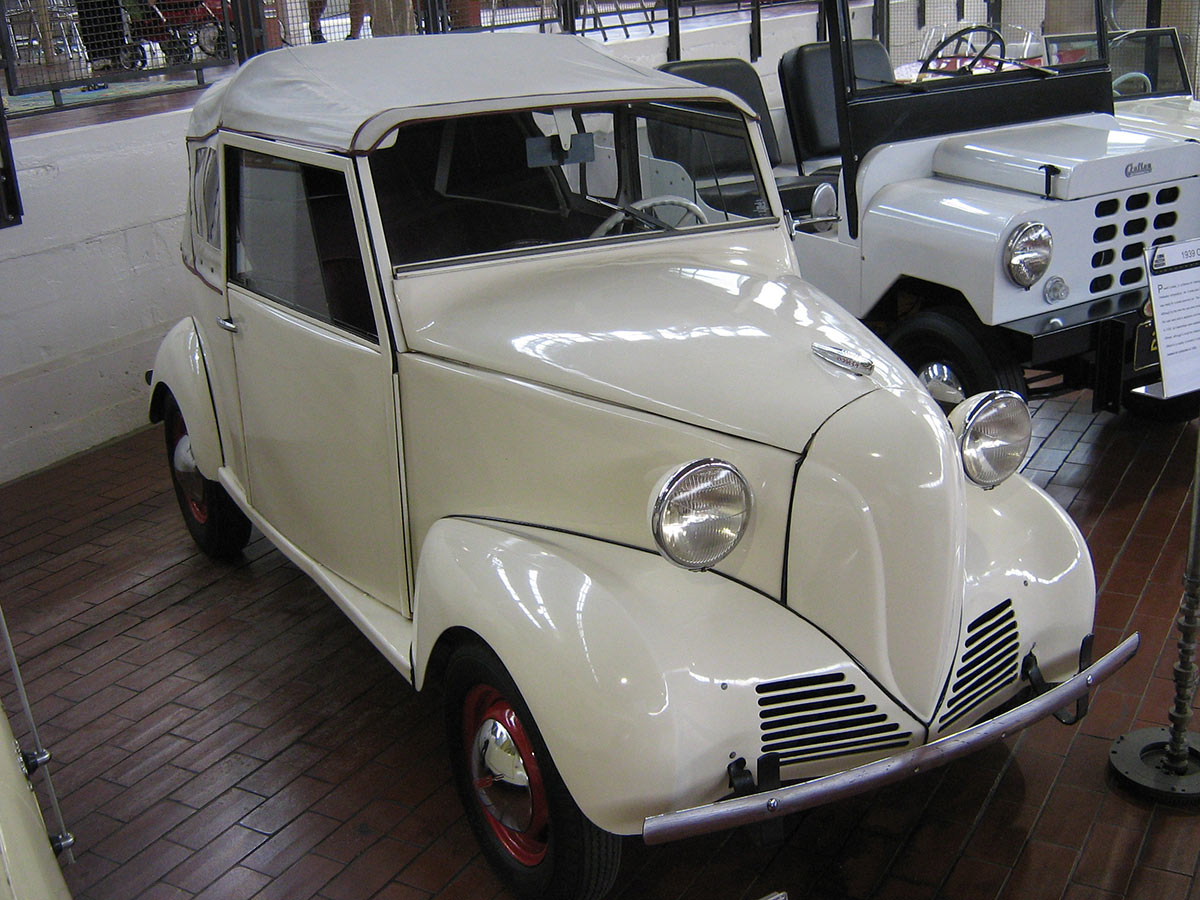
1021, 64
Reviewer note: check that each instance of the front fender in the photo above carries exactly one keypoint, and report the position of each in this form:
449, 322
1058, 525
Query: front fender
179, 367
1023, 546
641, 676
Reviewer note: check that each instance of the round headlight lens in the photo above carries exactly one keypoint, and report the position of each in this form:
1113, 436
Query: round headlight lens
1027, 253
700, 513
993, 431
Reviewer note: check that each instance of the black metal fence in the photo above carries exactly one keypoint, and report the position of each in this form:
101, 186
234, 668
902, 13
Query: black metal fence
275, 23
51, 45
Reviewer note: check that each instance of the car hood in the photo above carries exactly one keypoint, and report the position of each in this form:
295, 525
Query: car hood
701, 342
1177, 117
1065, 160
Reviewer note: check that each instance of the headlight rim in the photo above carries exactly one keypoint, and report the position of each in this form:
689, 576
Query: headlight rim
1018, 234
663, 494
967, 414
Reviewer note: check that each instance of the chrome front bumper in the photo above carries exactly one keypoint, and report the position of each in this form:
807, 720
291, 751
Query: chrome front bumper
772, 804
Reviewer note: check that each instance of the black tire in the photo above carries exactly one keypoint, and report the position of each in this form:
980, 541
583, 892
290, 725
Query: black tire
952, 337
212, 40
545, 847
214, 521
177, 51
132, 56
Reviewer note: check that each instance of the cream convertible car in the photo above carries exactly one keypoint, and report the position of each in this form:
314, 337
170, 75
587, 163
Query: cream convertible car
501, 341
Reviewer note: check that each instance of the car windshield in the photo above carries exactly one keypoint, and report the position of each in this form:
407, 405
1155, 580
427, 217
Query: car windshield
1147, 62
512, 181
978, 39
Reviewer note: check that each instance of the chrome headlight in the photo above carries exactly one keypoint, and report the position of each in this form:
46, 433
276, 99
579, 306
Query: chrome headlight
1027, 253
700, 513
993, 431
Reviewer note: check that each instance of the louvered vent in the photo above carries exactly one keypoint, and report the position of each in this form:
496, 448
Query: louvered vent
988, 662
821, 717
1125, 226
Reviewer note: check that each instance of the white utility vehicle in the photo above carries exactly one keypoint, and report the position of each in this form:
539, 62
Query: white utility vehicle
484, 341
993, 214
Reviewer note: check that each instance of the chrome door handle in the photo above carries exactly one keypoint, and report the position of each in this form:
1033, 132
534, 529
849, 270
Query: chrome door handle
228, 324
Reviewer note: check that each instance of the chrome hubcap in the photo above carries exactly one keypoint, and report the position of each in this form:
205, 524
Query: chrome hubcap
186, 473
942, 383
498, 773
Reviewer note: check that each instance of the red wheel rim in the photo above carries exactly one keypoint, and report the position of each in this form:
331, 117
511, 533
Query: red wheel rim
177, 431
527, 841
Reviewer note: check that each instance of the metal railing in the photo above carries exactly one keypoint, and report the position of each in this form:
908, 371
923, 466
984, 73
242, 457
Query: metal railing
52, 45
293, 22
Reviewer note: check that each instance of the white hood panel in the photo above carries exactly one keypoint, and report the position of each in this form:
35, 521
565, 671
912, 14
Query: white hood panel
1084, 160
675, 331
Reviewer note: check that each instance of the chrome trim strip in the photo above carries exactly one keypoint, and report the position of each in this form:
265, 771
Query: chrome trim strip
844, 359
745, 810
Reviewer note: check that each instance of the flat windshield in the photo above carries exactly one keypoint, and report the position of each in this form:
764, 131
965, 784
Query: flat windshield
930, 42
1147, 62
516, 181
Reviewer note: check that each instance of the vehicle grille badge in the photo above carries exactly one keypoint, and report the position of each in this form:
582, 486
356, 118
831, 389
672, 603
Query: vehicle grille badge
844, 359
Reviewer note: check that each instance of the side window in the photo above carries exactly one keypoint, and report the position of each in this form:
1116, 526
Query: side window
206, 220
294, 239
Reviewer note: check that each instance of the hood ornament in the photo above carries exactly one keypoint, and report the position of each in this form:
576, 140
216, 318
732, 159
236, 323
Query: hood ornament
844, 359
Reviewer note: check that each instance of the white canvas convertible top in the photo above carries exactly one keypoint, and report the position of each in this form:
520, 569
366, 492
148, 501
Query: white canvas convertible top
348, 95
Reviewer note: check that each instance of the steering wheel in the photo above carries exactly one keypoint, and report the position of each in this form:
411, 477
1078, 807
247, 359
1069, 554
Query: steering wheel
959, 37
1140, 79
649, 203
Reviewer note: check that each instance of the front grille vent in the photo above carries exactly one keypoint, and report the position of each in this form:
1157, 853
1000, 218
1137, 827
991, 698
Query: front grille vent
987, 664
1124, 228
821, 717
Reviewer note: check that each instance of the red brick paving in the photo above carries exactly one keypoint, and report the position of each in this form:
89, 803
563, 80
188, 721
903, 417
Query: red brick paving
222, 732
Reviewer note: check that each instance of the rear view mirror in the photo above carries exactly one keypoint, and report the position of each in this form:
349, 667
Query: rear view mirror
548, 151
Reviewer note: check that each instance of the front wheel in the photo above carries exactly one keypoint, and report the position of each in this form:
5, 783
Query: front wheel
954, 356
214, 521
177, 50
529, 827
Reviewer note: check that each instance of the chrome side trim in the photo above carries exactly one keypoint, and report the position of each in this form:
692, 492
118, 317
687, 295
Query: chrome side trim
745, 810
844, 359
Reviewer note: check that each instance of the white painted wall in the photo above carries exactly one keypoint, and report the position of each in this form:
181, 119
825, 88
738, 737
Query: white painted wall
89, 282
92, 278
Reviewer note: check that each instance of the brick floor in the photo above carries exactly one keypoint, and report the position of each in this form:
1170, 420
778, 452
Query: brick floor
222, 731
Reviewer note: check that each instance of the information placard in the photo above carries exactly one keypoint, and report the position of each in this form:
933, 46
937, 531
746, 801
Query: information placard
1175, 293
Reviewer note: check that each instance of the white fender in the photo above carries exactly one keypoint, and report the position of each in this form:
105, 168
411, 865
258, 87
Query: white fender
640, 675
180, 368
30, 870
1022, 545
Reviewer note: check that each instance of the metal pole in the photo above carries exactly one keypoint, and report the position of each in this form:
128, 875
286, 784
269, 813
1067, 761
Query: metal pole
1177, 755
1164, 763
755, 30
673, 43
63, 840
10, 193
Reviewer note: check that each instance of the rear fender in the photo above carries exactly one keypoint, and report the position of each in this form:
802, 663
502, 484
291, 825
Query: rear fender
180, 369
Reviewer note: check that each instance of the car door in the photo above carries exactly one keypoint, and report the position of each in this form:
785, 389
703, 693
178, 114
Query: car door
314, 370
